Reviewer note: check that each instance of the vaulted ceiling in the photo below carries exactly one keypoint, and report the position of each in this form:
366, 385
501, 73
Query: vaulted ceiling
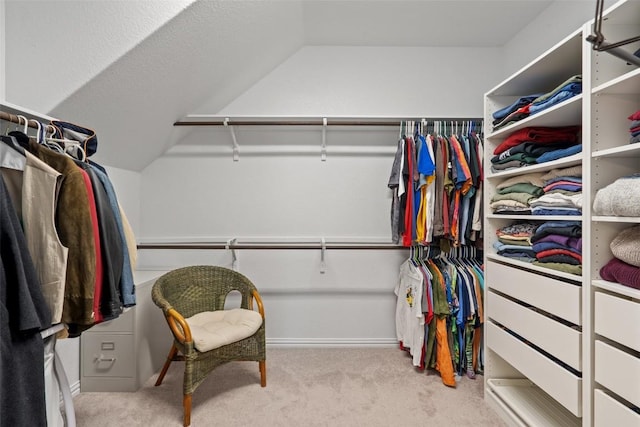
208, 53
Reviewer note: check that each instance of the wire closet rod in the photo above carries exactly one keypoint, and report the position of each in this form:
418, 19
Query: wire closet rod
15, 119
272, 246
319, 121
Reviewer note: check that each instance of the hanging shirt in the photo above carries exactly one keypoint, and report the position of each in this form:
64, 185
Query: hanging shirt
23, 313
409, 316
394, 184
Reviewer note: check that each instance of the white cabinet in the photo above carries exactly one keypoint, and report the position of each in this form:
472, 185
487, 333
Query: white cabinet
534, 331
121, 354
615, 95
564, 349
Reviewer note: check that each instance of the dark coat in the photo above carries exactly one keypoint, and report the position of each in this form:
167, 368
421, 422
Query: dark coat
23, 313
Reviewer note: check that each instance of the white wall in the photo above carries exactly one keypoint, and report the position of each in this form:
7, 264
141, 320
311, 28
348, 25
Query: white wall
196, 191
127, 185
378, 81
286, 197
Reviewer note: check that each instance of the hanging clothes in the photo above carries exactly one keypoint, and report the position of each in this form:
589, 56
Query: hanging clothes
23, 313
33, 186
451, 316
76, 230
442, 179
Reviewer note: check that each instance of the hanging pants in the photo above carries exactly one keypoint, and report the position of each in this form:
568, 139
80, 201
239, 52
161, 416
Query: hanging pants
444, 364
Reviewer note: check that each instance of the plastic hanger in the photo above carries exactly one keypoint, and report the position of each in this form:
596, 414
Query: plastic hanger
13, 143
12, 153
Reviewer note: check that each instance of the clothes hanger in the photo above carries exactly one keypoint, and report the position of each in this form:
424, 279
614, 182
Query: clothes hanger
57, 145
13, 143
21, 135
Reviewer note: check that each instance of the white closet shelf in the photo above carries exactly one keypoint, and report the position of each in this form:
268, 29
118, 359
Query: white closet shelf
626, 84
530, 404
537, 217
576, 159
629, 150
625, 219
546, 71
617, 288
529, 266
566, 113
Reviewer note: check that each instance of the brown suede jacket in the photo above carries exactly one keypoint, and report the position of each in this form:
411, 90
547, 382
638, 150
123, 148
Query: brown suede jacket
73, 221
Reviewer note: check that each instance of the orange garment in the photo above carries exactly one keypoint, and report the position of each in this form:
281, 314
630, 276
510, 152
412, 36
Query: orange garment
477, 340
462, 160
421, 220
444, 364
455, 223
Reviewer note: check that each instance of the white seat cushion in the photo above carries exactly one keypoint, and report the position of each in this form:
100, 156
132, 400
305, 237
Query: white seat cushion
213, 329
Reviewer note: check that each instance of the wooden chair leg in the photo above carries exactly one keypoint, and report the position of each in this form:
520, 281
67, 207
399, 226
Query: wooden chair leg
263, 372
165, 368
186, 402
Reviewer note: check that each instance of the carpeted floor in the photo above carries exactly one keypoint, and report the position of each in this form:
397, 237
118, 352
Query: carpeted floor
305, 387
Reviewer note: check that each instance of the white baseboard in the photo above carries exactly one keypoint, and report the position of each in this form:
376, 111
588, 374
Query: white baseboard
331, 342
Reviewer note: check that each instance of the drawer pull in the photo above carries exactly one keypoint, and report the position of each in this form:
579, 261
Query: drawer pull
101, 358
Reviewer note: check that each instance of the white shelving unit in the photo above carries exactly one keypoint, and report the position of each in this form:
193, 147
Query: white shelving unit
558, 351
615, 343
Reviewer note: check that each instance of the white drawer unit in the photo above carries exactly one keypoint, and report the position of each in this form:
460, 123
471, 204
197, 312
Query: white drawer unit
558, 382
108, 355
557, 339
121, 354
609, 412
618, 319
618, 371
554, 296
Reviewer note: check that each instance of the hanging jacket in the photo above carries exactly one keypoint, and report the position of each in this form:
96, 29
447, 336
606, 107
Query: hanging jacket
73, 221
110, 304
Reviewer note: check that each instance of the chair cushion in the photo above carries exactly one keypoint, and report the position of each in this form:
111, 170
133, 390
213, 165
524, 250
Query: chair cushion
213, 329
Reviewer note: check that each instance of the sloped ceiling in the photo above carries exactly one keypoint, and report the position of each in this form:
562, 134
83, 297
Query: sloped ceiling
213, 51
210, 51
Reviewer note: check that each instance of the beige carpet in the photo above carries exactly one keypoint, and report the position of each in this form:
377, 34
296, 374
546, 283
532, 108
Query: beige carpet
305, 387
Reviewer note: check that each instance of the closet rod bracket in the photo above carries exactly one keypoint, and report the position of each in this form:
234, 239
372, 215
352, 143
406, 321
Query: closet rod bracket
236, 147
323, 148
323, 250
234, 256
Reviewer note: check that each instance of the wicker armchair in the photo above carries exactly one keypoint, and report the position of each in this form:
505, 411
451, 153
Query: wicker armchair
188, 291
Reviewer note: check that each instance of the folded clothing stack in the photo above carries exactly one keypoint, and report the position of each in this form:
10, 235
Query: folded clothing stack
620, 198
514, 112
558, 245
634, 127
624, 268
534, 145
514, 241
562, 193
565, 90
529, 105
514, 194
